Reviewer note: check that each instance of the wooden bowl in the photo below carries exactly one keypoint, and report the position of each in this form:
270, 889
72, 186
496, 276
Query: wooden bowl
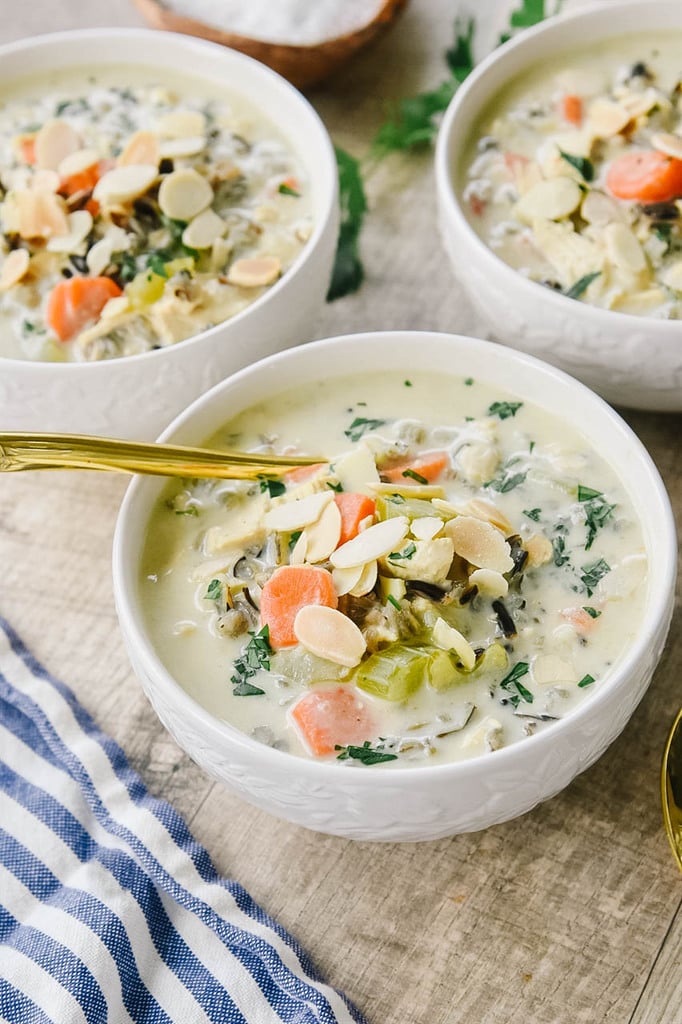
303, 66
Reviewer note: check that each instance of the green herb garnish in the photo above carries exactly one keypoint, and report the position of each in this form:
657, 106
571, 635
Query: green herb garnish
360, 426
127, 266
506, 482
255, 656
593, 573
415, 476
584, 166
533, 513
367, 754
597, 514
337, 488
528, 14
559, 549
586, 681
469, 381
407, 383
581, 285
404, 555
294, 538
512, 681
587, 493
274, 487
157, 263
592, 612
504, 409
348, 272
214, 592
394, 601
287, 190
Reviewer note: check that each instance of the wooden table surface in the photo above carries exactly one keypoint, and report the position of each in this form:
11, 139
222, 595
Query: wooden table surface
570, 914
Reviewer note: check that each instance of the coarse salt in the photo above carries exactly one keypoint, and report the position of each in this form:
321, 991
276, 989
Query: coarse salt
297, 22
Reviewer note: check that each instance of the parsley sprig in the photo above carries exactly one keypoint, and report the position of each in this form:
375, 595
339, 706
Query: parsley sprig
597, 512
514, 687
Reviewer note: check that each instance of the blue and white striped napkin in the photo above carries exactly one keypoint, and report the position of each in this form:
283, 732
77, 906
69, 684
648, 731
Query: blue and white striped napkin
109, 910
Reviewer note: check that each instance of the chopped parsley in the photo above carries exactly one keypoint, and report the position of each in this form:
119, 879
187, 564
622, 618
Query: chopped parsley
559, 550
255, 656
287, 190
586, 680
592, 612
507, 481
587, 493
533, 513
415, 476
584, 166
157, 263
469, 381
511, 683
366, 754
597, 512
581, 285
214, 592
504, 409
404, 555
337, 488
593, 573
294, 538
407, 383
360, 426
274, 487
394, 601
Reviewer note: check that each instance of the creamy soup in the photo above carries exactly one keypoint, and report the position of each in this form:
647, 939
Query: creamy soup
138, 208
463, 572
574, 176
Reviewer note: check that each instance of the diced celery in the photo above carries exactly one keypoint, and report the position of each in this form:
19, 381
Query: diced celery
389, 506
176, 266
443, 675
391, 588
145, 289
394, 673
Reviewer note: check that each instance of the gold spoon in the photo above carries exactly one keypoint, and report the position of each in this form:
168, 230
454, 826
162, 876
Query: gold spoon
671, 788
22, 451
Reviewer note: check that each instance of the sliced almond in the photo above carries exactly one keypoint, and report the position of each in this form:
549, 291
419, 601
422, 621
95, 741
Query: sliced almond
329, 634
77, 162
599, 209
123, 184
367, 581
491, 583
480, 543
576, 143
549, 200
295, 515
489, 736
45, 181
489, 513
203, 230
184, 194
641, 102
623, 249
606, 118
174, 149
550, 668
373, 543
323, 535
667, 143
14, 266
672, 276
80, 224
98, 256
448, 638
41, 215
539, 550
426, 527
346, 579
298, 552
254, 273
55, 141
181, 123
141, 148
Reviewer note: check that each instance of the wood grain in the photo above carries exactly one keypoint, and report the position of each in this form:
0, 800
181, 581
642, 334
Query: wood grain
568, 915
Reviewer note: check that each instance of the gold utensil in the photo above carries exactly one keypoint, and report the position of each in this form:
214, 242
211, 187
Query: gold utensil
671, 788
22, 451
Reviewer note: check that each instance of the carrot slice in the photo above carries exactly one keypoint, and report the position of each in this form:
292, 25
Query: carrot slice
290, 588
302, 473
581, 620
647, 175
353, 508
326, 718
76, 302
425, 468
572, 109
26, 146
83, 181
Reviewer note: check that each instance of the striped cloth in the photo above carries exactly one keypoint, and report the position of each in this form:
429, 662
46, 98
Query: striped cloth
109, 910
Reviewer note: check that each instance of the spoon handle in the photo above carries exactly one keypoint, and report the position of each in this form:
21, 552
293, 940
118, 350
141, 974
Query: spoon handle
22, 451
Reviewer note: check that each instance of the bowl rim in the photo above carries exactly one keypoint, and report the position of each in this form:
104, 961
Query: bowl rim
327, 161
445, 183
658, 610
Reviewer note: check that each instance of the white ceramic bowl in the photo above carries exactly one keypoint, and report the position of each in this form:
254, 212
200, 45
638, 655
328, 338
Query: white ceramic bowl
425, 802
630, 360
137, 396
